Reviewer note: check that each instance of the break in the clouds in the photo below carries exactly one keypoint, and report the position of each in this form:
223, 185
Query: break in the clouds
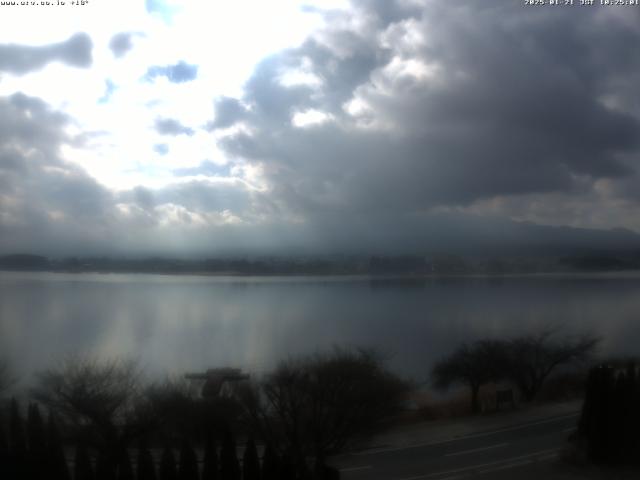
110, 88
161, 148
179, 73
206, 168
392, 125
20, 59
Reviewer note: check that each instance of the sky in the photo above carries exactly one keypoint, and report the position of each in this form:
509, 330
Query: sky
197, 127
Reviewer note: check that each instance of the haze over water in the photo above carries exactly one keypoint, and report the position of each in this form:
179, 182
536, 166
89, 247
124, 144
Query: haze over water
182, 323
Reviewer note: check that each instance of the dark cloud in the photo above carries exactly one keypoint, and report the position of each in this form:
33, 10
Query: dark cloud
171, 126
458, 105
196, 196
228, 111
387, 12
21, 59
47, 203
121, 43
179, 73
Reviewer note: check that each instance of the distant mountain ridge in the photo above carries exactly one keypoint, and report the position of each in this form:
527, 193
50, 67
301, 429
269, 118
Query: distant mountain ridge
452, 244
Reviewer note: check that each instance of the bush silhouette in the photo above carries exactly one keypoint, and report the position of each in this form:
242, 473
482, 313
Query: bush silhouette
83, 470
125, 470
105, 467
17, 444
188, 469
609, 421
210, 470
57, 463
270, 464
229, 466
145, 469
4, 453
36, 433
168, 469
250, 462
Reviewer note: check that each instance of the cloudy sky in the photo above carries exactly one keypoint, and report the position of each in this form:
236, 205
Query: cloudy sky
162, 126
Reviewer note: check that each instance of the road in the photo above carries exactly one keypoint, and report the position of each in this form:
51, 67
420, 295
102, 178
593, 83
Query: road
479, 455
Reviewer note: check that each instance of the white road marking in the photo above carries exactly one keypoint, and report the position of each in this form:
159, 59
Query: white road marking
496, 463
464, 437
354, 469
464, 452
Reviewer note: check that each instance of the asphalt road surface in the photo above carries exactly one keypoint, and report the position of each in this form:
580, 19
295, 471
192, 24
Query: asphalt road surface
482, 454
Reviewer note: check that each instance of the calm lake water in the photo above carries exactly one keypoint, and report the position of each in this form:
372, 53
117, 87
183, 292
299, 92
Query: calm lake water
183, 323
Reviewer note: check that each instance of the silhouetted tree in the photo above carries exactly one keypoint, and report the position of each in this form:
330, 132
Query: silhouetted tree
210, 469
18, 461
35, 427
176, 405
229, 466
101, 397
58, 468
125, 470
18, 444
168, 470
318, 405
145, 468
83, 470
595, 419
608, 422
6, 465
270, 464
527, 361
532, 358
188, 468
4, 445
250, 462
287, 470
105, 467
37, 443
473, 365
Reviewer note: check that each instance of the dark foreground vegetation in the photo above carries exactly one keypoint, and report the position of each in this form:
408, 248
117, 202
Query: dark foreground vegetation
104, 423
99, 420
610, 419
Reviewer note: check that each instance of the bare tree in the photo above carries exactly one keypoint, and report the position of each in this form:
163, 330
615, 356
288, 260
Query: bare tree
100, 397
527, 361
314, 406
532, 358
473, 365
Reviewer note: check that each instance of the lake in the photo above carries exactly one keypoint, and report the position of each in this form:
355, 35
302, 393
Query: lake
175, 324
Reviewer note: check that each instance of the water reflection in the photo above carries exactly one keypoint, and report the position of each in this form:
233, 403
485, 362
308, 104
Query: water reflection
176, 323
